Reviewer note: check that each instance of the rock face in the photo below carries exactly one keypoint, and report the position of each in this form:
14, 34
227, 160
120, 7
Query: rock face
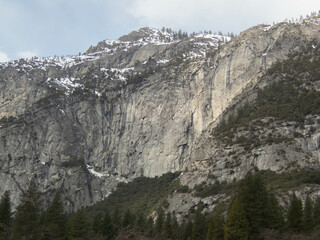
138, 106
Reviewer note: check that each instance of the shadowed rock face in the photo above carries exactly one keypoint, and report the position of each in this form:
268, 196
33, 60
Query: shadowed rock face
131, 107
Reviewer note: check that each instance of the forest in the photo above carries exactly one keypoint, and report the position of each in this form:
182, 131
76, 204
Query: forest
253, 212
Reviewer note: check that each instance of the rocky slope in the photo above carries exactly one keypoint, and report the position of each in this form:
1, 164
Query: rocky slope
141, 105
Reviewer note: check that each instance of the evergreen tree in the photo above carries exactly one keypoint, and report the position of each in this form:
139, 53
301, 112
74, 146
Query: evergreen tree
307, 216
294, 216
159, 222
175, 227
97, 223
275, 218
5, 216
187, 231
236, 226
107, 227
54, 220
26, 221
215, 230
127, 220
254, 198
140, 223
168, 225
116, 220
316, 212
148, 229
77, 226
199, 225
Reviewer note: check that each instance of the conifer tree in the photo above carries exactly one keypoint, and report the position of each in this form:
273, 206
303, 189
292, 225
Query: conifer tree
127, 220
187, 231
307, 215
175, 227
116, 220
168, 225
140, 223
107, 227
54, 220
159, 222
199, 225
5, 215
316, 212
215, 230
77, 226
294, 216
275, 218
149, 227
236, 226
26, 221
254, 198
97, 223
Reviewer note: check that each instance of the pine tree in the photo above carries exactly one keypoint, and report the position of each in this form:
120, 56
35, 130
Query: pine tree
215, 230
187, 231
199, 225
97, 223
26, 221
308, 222
168, 225
107, 227
5, 216
316, 212
159, 222
294, 216
275, 219
175, 227
149, 227
116, 220
77, 226
140, 223
127, 220
54, 220
254, 198
236, 226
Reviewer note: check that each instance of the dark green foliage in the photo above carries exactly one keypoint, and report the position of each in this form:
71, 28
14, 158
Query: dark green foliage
275, 219
26, 221
108, 230
199, 228
253, 195
138, 195
54, 220
187, 230
159, 225
168, 228
295, 215
308, 221
77, 227
237, 226
127, 220
216, 224
5, 216
316, 213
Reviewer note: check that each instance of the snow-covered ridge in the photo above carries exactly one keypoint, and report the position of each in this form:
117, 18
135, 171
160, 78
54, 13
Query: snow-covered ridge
25, 65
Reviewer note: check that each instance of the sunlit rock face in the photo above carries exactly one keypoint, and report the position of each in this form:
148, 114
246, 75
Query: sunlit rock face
137, 106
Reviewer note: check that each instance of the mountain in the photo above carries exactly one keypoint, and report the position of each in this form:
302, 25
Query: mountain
154, 102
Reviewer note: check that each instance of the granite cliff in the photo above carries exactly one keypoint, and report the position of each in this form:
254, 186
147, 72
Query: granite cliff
143, 105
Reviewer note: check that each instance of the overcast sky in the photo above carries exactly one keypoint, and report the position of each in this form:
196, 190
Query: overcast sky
67, 27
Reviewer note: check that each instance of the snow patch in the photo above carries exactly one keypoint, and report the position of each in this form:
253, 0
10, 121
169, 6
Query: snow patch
97, 174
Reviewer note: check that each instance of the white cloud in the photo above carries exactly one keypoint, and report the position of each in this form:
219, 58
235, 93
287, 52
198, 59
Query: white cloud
227, 15
4, 57
27, 54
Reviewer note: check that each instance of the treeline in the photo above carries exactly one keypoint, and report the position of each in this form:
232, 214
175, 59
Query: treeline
253, 213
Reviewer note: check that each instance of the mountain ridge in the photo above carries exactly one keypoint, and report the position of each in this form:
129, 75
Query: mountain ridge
123, 110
